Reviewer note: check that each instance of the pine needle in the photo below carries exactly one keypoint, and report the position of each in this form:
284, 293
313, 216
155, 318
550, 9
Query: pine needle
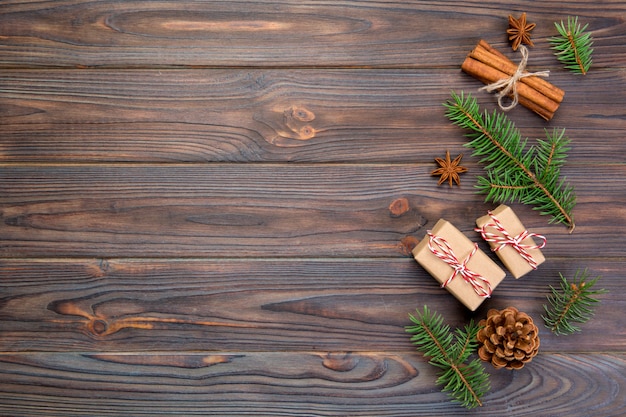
571, 303
465, 383
573, 45
516, 174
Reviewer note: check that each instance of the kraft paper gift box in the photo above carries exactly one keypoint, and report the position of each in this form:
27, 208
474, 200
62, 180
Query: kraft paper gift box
478, 264
510, 240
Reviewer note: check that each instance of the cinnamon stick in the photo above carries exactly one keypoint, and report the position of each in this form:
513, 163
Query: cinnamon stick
491, 56
488, 65
528, 97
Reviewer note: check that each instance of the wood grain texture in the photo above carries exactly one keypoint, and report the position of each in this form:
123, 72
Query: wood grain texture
299, 384
359, 304
288, 33
260, 210
207, 207
389, 116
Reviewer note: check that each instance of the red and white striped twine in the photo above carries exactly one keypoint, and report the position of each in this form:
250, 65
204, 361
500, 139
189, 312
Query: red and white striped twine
443, 251
504, 238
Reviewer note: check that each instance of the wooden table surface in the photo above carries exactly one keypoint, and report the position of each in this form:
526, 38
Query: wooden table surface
199, 206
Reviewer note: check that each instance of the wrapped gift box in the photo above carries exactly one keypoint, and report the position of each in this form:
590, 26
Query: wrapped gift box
510, 240
448, 242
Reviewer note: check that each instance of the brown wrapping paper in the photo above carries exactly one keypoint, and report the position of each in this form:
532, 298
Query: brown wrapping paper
510, 257
479, 263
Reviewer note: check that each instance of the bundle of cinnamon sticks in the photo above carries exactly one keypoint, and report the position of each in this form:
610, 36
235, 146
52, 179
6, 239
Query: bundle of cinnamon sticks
489, 65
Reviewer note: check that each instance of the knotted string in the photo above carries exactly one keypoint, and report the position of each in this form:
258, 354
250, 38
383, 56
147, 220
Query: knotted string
509, 85
504, 238
444, 252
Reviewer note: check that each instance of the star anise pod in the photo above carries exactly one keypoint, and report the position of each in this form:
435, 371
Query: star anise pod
519, 31
449, 170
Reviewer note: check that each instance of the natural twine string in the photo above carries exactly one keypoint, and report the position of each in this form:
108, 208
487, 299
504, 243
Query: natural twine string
443, 251
504, 238
509, 85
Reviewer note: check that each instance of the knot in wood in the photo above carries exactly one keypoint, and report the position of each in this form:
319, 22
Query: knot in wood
99, 327
296, 119
306, 132
407, 244
340, 362
301, 114
398, 207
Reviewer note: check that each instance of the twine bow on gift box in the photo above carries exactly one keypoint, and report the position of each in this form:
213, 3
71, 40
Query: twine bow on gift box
504, 238
441, 249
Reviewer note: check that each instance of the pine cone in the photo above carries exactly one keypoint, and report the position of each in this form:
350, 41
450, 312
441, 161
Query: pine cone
508, 339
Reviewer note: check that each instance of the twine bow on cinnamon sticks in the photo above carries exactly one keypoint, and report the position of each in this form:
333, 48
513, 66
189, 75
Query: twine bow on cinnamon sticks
499, 73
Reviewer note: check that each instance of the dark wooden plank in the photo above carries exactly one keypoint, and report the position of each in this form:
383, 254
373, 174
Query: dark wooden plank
195, 207
289, 33
270, 210
356, 304
276, 115
299, 384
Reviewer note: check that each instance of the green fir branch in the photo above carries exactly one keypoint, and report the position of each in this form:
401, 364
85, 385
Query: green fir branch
516, 173
464, 382
573, 45
571, 303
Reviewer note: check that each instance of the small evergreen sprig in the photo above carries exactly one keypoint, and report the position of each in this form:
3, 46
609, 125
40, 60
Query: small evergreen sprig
573, 45
465, 383
571, 303
513, 173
